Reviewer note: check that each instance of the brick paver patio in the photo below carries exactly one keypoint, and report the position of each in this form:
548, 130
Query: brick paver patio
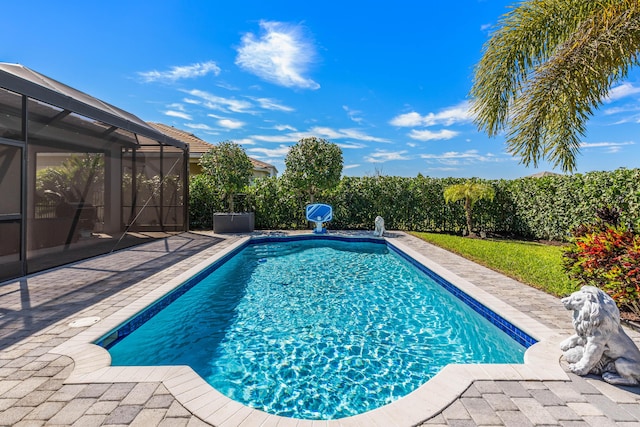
35, 313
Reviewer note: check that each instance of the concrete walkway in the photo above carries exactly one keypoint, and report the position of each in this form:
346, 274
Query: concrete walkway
36, 312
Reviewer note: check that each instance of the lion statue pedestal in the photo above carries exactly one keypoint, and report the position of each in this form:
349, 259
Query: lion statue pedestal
600, 346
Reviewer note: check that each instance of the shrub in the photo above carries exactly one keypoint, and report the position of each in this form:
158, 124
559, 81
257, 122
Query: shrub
313, 166
203, 201
229, 169
531, 208
607, 255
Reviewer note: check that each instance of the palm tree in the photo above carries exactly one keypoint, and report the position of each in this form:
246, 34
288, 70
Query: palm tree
546, 67
470, 192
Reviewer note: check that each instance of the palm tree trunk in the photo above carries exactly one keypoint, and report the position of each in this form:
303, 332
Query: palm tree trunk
467, 210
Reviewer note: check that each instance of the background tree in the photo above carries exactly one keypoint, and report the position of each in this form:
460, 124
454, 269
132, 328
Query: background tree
470, 192
546, 67
229, 168
313, 165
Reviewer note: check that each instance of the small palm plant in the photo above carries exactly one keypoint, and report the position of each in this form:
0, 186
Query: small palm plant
470, 192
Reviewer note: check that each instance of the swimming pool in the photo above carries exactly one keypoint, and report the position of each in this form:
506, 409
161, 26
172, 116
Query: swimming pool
333, 344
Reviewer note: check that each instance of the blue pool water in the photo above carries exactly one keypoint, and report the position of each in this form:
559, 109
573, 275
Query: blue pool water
315, 329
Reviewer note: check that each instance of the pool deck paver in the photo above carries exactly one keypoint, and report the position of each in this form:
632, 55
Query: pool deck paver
40, 387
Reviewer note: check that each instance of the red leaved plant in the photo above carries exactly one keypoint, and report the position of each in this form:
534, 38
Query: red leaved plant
607, 255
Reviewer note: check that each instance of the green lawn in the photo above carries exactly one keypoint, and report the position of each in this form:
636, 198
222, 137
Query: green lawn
532, 263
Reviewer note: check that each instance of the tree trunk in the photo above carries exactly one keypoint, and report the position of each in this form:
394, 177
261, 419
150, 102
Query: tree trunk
467, 210
231, 207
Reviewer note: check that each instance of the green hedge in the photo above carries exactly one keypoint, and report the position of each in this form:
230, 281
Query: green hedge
536, 208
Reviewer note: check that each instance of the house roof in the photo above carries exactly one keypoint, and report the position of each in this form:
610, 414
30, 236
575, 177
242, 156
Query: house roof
543, 174
20, 79
197, 146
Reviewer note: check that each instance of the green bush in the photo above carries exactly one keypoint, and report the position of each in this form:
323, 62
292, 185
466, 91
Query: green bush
607, 255
531, 208
204, 200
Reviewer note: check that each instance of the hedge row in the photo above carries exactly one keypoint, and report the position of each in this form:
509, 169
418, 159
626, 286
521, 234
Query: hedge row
536, 208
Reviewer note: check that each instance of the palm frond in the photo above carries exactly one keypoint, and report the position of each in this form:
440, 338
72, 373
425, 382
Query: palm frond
548, 65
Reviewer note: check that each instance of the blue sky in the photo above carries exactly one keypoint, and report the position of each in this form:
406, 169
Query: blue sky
387, 81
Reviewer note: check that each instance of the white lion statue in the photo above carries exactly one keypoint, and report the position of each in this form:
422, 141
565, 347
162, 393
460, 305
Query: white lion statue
600, 346
379, 231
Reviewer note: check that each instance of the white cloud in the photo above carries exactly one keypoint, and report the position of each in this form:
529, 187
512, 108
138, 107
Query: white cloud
181, 72
281, 151
350, 166
227, 86
198, 126
329, 133
320, 132
285, 127
610, 147
381, 156
350, 145
427, 135
176, 106
361, 136
281, 55
272, 104
407, 120
456, 114
219, 103
622, 91
454, 158
245, 141
179, 114
274, 138
354, 115
231, 124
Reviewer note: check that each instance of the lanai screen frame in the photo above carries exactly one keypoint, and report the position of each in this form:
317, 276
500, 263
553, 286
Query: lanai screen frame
120, 133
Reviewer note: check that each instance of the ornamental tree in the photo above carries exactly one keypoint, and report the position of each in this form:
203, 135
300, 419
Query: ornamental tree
312, 166
470, 192
230, 169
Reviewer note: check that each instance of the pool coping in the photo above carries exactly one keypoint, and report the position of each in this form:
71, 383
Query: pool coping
92, 363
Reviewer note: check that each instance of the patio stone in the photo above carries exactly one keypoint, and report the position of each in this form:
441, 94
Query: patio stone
32, 380
546, 397
500, 402
103, 407
562, 413
534, 411
29, 423
514, 419
480, 410
148, 417
610, 408
45, 411
140, 394
90, 421
14, 414
123, 414
72, 411
94, 390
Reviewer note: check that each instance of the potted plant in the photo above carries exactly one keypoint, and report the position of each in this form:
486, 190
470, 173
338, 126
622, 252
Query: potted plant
230, 170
